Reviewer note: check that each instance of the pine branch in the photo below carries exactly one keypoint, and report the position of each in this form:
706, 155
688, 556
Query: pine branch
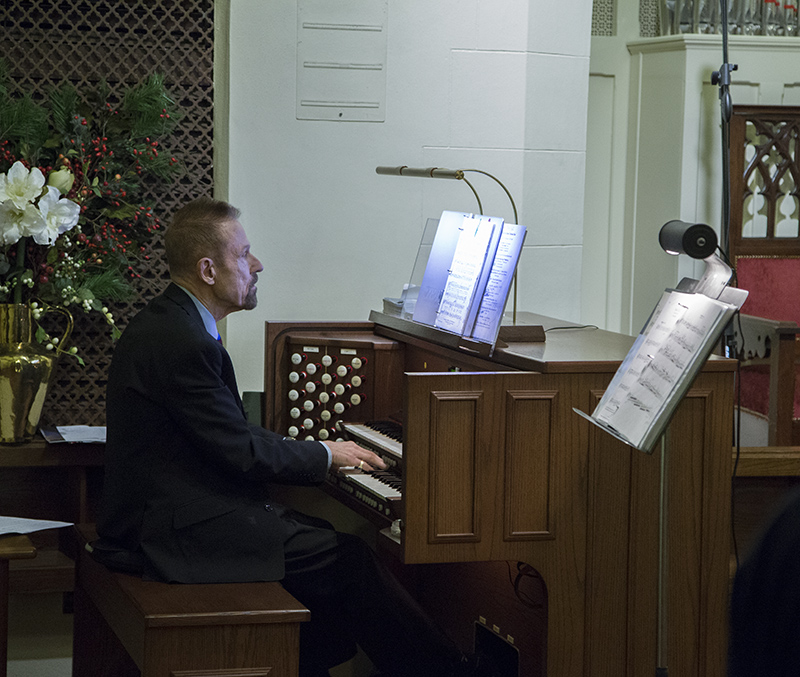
29, 125
108, 285
7, 104
63, 105
149, 108
21, 119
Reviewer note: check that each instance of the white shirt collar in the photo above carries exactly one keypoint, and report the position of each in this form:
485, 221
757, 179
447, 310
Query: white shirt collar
205, 314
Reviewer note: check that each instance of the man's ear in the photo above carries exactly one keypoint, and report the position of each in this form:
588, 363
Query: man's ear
206, 270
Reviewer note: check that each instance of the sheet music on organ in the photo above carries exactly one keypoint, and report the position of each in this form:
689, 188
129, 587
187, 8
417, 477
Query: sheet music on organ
468, 275
660, 367
464, 273
501, 274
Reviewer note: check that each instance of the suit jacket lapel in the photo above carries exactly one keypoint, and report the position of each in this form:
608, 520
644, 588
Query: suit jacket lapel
182, 299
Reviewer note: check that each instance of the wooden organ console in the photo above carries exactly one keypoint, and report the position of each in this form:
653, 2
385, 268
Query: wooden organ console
496, 467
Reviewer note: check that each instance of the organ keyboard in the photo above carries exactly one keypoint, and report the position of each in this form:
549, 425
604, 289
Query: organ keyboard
374, 437
383, 437
381, 490
495, 465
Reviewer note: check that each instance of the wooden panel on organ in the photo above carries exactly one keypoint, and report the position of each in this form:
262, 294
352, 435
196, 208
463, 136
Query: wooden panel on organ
497, 468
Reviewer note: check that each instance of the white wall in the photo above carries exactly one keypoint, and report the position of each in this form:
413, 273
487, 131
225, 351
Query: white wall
498, 86
606, 256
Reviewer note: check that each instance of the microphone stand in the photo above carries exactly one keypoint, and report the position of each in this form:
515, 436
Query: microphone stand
722, 77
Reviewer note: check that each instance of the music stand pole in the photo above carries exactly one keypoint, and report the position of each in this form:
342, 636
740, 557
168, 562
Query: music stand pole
663, 607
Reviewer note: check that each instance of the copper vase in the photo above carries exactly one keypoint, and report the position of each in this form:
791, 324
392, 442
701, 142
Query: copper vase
26, 370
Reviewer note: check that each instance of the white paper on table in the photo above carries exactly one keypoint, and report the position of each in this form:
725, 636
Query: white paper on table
82, 433
21, 525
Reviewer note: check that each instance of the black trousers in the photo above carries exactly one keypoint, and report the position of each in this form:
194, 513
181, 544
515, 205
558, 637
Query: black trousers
354, 599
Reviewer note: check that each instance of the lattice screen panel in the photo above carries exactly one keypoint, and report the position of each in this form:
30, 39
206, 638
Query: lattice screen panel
123, 41
603, 17
649, 24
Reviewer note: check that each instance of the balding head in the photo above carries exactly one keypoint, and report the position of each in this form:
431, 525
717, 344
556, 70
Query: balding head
197, 230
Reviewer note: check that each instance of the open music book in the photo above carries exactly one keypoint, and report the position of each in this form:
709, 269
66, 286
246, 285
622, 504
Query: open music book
468, 275
660, 367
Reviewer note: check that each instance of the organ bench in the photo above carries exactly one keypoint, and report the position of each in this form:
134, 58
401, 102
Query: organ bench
123, 623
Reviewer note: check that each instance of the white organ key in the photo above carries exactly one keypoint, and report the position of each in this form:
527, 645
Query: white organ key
359, 431
374, 485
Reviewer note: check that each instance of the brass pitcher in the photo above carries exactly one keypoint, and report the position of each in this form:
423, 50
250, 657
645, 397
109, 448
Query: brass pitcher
26, 370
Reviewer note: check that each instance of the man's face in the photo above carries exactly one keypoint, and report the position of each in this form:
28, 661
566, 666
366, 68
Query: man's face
236, 271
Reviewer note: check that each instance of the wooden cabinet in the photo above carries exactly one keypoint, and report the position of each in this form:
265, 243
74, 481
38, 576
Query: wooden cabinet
498, 468
45, 481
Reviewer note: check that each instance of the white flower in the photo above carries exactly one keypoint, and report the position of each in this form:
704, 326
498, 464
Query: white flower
59, 216
20, 185
15, 223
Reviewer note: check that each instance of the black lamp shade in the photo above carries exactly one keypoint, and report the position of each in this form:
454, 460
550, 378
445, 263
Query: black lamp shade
694, 239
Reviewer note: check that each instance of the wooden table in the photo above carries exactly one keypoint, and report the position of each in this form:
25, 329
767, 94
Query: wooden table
11, 547
51, 482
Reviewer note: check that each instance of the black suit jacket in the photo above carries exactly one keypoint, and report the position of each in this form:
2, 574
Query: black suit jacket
185, 489
765, 602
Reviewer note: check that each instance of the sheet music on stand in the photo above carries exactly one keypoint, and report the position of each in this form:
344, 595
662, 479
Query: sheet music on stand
661, 366
468, 275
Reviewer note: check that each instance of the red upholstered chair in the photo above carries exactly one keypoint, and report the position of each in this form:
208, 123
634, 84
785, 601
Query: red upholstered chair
765, 251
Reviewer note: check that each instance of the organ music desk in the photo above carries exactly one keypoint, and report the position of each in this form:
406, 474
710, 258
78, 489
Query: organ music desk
497, 467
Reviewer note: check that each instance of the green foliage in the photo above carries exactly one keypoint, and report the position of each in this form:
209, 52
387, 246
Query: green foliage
26, 125
63, 104
111, 144
108, 285
148, 109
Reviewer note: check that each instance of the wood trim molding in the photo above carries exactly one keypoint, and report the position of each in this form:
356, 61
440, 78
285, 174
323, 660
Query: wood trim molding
454, 515
527, 464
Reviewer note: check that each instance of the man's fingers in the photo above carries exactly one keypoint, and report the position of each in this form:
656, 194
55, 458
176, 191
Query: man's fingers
350, 454
372, 464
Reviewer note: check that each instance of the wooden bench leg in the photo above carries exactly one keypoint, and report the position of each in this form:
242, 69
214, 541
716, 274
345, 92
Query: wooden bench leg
96, 651
3, 617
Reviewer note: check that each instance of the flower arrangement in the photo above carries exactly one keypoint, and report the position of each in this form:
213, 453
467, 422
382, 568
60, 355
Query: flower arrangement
74, 223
